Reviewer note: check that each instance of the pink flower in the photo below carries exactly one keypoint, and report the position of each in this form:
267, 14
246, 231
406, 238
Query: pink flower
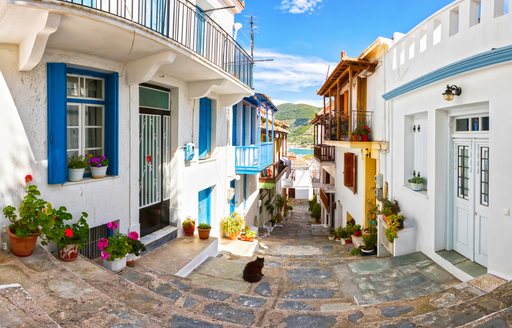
112, 225
105, 255
133, 235
102, 244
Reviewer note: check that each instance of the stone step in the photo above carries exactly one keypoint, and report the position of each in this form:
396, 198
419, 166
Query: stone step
18, 309
159, 301
68, 300
460, 314
498, 319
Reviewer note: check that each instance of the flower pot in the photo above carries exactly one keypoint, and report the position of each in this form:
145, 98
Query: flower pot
416, 186
364, 137
22, 246
68, 253
233, 236
357, 233
355, 137
76, 174
130, 259
385, 218
116, 265
368, 251
189, 230
331, 238
203, 233
99, 172
348, 241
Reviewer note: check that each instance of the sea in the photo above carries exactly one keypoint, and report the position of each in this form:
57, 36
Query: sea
301, 151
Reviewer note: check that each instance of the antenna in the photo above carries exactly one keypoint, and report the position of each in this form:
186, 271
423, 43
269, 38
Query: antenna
252, 37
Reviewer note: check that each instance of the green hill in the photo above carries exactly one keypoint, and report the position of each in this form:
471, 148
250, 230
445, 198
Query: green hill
297, 116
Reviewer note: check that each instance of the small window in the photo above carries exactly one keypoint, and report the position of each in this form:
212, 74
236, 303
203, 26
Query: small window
437, 33
485, 123
454, 21
85, 87
463, 172
395, 59
472, 124
205, 128
350, 171
412, 50
475, 10
423, 42
462, 125
402, 56
484, 176
500, 7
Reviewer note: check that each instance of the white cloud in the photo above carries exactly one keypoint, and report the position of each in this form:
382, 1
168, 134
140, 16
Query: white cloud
289, 73
299, 6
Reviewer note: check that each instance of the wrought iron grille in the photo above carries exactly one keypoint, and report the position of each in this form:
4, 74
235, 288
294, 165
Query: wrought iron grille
90, 249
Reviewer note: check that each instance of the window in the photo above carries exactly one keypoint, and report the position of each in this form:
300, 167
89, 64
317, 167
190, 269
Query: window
484, 176
437, 33
423, 41
416, 147
454, 21
205, 128
472, 124
350, 171
463, 172
475, 9
82, 117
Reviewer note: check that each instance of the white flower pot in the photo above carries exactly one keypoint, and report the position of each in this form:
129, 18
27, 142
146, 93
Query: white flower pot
99, 172
116, 265
416, 186
76, 174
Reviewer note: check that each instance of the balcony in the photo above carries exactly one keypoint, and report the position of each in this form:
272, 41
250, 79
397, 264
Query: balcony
325, 199
181, 22
342, 127
324, 153
252, 159
273, 173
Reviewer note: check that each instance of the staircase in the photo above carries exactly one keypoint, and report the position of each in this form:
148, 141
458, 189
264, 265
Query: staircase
82, 294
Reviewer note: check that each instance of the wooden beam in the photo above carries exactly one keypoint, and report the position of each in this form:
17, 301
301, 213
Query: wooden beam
350, 101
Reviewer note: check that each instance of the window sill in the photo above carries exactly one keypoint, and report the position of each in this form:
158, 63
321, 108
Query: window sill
89, 180
207, 160
423, 193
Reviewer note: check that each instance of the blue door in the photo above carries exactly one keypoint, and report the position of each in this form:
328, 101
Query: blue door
204, 208
232, 201
205, 127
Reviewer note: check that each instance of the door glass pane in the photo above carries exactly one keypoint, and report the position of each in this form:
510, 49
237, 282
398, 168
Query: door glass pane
475, 124
72, 139
93, 138
462, 124
463, 172
484, 176
73, 115
154, 98
485, 123
93, 88
72, 86
94, 116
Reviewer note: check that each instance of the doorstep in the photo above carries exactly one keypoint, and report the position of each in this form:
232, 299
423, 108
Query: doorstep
159, 237
238, 247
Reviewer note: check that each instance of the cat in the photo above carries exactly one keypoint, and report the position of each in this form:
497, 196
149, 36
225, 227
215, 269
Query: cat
252, 270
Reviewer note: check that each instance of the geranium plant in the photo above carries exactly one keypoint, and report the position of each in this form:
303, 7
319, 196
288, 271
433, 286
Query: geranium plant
114, 247
69, 234
34, 215
135, 246
98, 161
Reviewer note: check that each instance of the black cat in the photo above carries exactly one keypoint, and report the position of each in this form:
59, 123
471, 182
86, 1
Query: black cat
252, 270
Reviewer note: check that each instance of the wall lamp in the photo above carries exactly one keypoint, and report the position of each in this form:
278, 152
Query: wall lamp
451, 92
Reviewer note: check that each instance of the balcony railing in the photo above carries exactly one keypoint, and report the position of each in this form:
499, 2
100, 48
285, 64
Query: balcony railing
183, 23
349, 128
324, 153
253, 159
273, 173
325, 198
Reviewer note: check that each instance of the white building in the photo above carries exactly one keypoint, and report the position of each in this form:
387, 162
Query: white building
136, 83
462, 146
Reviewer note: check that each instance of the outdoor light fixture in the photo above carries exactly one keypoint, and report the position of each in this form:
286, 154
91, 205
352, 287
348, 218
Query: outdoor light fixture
451, 92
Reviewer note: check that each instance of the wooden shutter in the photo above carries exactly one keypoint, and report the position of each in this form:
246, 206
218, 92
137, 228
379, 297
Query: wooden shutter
57, 130
350, 171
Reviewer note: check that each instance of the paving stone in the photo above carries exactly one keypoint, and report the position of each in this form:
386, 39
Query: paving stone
410, 258
395, 311
295, 306
308, 321
311, 275
310, 293
183, 322
250, 302
212, 294
222, 311
355, 316
494, 323
263, 289
370, 267
335, 307
168, 291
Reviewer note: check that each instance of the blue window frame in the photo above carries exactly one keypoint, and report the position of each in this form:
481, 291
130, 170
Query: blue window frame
205, 128
233, 199
244, 124
253, 127
204, 206
235, 108
81, 119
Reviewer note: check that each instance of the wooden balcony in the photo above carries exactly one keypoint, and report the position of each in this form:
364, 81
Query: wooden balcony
325, 153
325, 198
273, 173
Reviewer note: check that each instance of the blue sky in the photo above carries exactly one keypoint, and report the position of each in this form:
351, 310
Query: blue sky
304, 37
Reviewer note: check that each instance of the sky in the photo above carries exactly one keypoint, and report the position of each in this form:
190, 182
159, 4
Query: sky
306, 37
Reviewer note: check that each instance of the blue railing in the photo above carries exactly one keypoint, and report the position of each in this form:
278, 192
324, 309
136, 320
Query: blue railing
183, 23
253, 159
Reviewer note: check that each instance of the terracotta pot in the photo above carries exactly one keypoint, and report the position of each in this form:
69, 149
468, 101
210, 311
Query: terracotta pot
249, 239
68, 253
22, 246
357, 233
130, 259
348, 241
203, 233
364, 137
233, 236
385, 218
189, 230
355, 137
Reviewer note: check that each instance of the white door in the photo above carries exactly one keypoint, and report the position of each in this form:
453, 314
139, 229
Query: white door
471, 199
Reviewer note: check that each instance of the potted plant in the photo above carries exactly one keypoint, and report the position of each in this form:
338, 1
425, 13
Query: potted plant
76, 167
250, 235
312, 202
135, 248
417, 183
99, 166
189, 225
316, 212
355, 251
332, 234
69, 238
395, 223
113, 251
389, 208
364, 132
349, 231
355, 134
204, 230
34, 216
357, 230
370, 242
232, 225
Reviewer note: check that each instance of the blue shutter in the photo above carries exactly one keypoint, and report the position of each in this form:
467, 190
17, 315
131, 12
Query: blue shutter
244, 127
112, 122
234, 124
205, 127
57, 129
253, 134
232, 201
204, 206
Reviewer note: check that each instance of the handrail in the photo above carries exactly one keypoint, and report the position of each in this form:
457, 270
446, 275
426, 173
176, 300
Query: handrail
184, 23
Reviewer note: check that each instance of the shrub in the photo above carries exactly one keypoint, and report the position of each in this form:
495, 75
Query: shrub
64, 234
316, 212
232, 224
135, 246
355, 251
189, 222
204, 226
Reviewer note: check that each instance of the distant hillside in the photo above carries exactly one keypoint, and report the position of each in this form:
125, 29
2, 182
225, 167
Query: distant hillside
298, 116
